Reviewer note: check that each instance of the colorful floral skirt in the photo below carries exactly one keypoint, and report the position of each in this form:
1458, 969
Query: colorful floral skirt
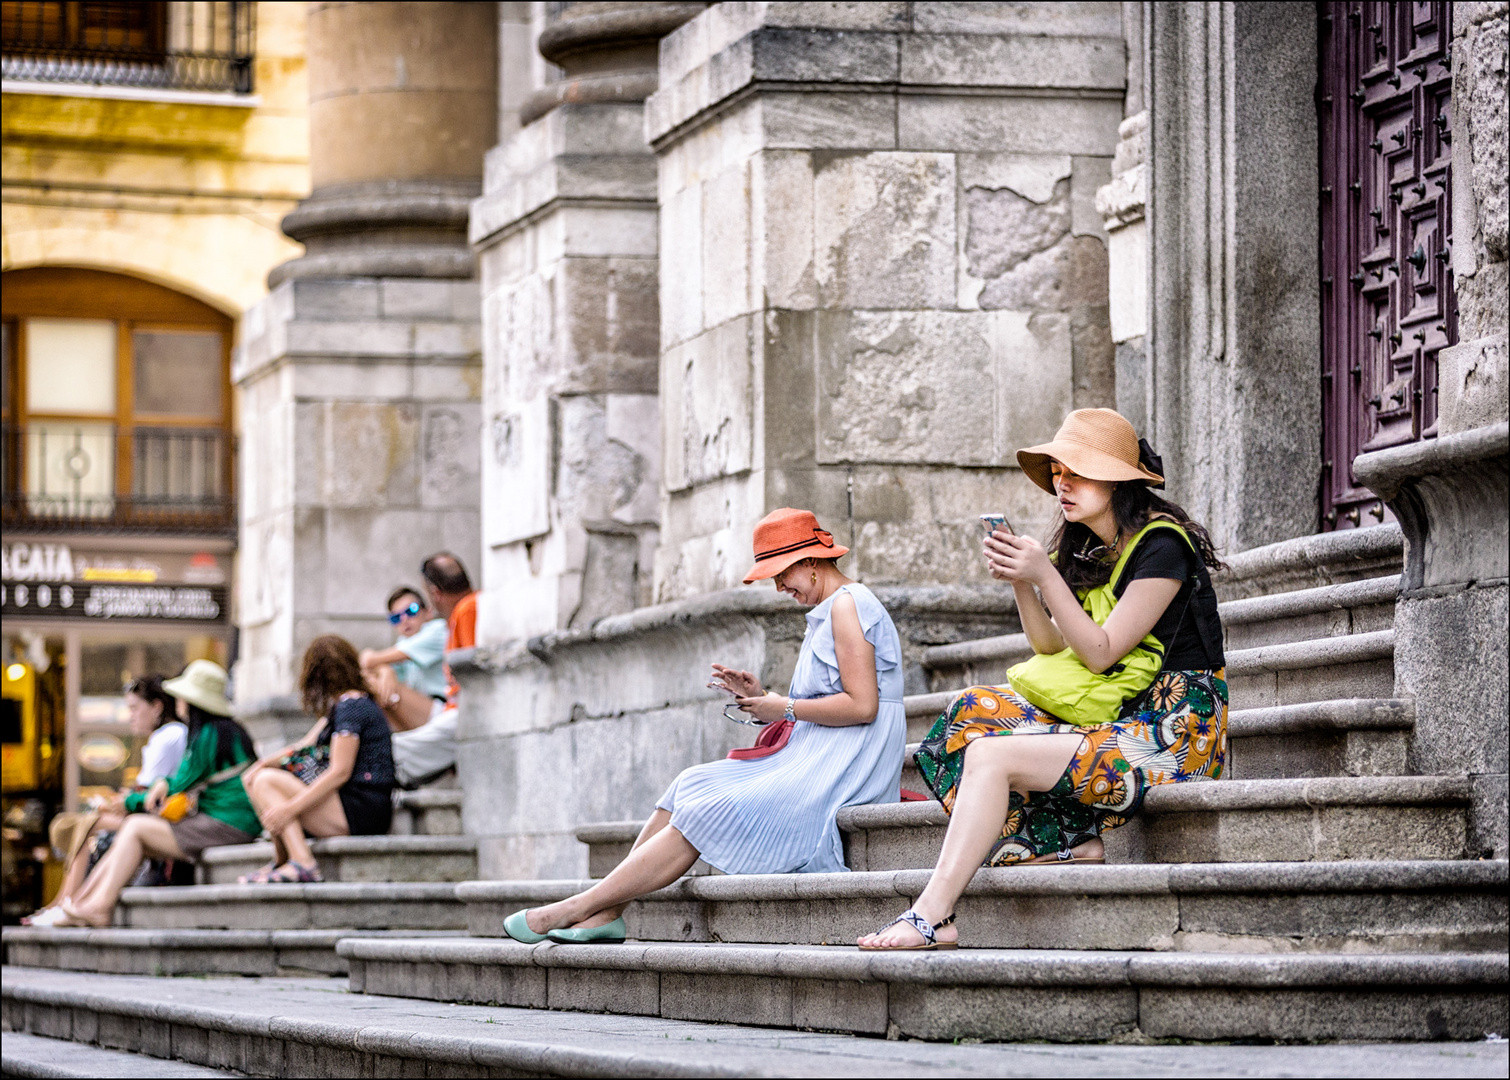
1175, 730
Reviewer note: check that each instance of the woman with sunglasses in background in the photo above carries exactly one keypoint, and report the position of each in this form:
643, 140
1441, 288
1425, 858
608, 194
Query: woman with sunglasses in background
408, 678
836, 738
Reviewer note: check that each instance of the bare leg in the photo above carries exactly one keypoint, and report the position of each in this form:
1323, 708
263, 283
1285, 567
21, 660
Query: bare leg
274, 787
653, 863
994, 767
73, 877
143, 836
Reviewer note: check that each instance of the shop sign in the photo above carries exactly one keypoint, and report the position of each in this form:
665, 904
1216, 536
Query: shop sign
55, 580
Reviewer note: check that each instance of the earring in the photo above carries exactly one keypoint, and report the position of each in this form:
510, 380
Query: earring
815, 577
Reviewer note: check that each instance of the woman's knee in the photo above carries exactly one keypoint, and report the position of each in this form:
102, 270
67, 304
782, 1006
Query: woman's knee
989, 755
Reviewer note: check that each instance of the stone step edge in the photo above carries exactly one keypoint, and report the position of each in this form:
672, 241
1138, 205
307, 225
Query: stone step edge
29, 1055
361, 1034
972, 967
1291, 656
1339, 714
196, 938
1286, 605
350, 845
427, 798
1128, 879
323, 892
1216, 795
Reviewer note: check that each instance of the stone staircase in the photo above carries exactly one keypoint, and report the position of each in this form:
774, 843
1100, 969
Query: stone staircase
1320, 892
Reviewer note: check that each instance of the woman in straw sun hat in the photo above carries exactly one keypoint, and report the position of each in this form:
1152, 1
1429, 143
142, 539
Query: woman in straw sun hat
836, 738
1125, 690
219, 751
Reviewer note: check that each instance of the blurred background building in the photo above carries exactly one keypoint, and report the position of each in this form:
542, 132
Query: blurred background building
149, 151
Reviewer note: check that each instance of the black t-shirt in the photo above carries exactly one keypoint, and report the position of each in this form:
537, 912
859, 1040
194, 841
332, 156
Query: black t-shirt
1162, 554
359, 716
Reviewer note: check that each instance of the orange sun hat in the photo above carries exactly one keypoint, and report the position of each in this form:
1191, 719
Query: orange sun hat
786, 536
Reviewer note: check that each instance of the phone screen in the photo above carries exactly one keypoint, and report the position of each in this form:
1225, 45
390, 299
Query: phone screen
991, 522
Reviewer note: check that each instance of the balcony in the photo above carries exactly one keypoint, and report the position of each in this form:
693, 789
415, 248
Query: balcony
88, 476
195, 46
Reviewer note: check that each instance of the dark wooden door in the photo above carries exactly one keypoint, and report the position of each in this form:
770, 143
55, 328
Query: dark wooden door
1388, 306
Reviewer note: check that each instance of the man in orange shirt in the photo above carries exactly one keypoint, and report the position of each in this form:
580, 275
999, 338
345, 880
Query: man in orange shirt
427, 752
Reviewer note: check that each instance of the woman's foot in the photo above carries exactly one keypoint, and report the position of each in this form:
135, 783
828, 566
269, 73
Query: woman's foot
261, 876
903, 935
295, 873
73, 916
562, 916
47, 916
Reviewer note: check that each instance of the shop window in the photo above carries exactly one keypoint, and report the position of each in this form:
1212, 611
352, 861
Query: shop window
117, 410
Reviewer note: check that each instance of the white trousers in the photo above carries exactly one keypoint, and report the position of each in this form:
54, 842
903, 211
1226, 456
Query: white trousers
427, 749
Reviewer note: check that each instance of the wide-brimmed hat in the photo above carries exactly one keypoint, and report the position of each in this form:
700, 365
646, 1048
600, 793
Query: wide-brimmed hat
68, 831
786, 536
202, 683
1098, 444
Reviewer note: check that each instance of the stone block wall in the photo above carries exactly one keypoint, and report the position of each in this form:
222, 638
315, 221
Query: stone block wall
882, 271
359, 435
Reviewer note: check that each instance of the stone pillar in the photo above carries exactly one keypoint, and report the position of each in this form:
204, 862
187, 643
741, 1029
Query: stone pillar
359, 375
882, 271
1123, 208
566, 238
1451, 493
1234, 342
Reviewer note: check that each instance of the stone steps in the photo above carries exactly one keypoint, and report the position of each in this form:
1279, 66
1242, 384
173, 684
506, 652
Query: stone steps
415, 905
308, 1027
1350, 737
180, 952
427, 812
1300, 820
33, 1055
974, 993
357, 858
1428, 906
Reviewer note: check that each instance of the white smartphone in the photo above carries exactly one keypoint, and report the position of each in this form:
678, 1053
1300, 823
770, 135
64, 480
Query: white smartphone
991, 522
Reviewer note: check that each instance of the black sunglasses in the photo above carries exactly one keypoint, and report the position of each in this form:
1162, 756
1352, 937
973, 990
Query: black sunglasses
396, 617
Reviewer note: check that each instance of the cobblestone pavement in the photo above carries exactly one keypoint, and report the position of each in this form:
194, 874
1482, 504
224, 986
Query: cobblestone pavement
727, 1049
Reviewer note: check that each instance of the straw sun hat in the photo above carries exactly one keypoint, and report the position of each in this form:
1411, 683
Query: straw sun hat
786, 536
202, 683
1098, 444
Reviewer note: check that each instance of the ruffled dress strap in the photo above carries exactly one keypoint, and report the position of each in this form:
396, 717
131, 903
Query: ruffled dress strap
875, 623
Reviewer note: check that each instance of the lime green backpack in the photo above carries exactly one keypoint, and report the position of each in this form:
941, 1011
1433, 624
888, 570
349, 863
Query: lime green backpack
1059, 684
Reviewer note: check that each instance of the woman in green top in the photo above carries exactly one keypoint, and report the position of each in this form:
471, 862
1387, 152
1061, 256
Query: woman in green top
219, 751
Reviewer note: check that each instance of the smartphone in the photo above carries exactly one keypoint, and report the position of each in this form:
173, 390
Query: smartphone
991, 522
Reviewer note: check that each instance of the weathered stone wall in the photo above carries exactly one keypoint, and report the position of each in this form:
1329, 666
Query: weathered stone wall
359, 435
882, 271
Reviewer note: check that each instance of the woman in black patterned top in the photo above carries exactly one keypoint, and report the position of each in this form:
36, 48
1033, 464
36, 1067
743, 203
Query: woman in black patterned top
352, 794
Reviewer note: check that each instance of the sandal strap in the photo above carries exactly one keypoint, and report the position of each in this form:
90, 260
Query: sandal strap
1065, 856
917, 922
947, 920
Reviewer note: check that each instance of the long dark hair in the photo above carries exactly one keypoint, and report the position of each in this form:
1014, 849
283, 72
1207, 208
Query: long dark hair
150, 689
1133, 505
229, 735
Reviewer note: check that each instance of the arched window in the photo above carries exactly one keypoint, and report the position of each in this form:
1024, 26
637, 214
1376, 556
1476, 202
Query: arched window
117, 404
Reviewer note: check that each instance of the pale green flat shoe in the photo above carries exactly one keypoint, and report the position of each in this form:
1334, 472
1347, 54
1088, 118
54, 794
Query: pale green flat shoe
515, 927
612, 933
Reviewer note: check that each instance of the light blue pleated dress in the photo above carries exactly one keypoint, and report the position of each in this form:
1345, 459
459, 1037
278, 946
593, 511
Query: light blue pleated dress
775, 815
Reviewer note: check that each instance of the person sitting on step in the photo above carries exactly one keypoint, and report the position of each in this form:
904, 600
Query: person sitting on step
220, 750
836, 738
425, 750
337, 780
408, 679
153, 715
1127, 688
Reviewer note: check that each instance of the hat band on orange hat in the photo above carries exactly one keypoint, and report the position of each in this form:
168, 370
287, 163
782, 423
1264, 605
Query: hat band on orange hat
820, 536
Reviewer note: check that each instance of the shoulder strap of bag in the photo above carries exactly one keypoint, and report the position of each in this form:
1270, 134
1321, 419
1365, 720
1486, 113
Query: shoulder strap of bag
1195, 577
220, 777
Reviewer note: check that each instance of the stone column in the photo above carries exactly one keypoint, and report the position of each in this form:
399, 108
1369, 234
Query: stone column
1234, 342
1451, 493
882, 271
566, 238
360, 374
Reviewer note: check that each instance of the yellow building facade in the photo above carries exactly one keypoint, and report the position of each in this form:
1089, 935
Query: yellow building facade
149, 152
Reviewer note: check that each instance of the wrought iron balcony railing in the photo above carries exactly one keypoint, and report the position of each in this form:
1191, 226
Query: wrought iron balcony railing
74, 475
191, 45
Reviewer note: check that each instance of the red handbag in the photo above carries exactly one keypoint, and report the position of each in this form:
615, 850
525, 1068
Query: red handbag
771, 739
